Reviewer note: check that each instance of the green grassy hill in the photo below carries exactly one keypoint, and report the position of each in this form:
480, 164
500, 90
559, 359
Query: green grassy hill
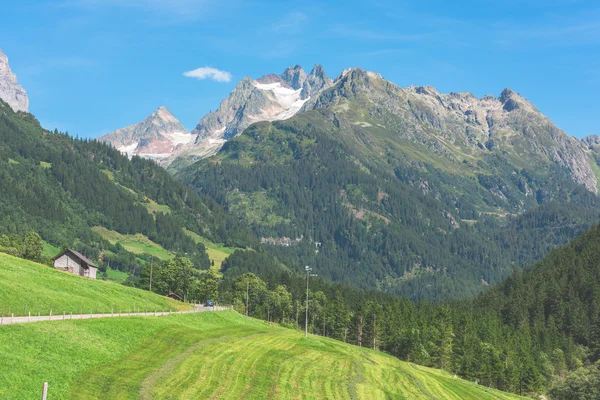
208, 355
27, 286
217, 355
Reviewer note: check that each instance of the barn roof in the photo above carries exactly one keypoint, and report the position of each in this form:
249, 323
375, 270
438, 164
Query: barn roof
78, 255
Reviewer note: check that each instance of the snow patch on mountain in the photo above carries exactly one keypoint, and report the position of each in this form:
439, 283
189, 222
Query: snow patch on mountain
129, 149
289, 101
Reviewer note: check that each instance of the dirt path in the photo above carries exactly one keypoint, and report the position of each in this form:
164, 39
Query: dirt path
64, 317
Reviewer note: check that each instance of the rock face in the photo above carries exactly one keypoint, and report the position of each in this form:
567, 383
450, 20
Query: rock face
592, 142
269, 98
10, 90
159, 137
455, 126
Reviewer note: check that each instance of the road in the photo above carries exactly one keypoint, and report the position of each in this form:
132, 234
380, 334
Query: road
64, 317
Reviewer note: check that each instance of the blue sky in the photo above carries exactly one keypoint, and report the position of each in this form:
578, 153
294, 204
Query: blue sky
92, 66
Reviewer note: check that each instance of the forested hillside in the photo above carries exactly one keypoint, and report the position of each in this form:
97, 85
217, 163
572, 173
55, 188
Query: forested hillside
413, 229
536, 332
61, 187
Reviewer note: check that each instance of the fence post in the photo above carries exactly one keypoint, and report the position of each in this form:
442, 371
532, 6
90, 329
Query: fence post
64, 315
45, 391
29, 316
12, 317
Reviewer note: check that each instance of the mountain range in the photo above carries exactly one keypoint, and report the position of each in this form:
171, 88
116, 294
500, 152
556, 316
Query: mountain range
454, 127
270, 98
406, 189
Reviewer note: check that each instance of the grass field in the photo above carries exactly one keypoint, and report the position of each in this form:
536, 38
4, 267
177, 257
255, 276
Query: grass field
30, 287
211, 355
215, 252
113, 275
50, 250
136, 244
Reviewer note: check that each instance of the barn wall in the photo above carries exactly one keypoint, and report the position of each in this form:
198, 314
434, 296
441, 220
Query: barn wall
68, 263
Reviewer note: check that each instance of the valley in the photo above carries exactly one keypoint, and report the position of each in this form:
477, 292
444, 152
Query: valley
351, 236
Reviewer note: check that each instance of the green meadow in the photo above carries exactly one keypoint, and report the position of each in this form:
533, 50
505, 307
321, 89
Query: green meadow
208, 355
216, 253
26, 287
136, 244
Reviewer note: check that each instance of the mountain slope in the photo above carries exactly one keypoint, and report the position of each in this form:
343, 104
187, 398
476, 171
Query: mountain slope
456, 128
208, 355
10, 90
391, 188
66, 293
61, 187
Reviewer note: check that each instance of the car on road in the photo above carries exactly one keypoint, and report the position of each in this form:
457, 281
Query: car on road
209, 303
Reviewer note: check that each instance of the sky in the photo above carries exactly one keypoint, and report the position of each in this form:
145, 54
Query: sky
93, 66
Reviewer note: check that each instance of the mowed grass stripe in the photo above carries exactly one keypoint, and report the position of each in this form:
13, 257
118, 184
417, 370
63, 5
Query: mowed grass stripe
283, 365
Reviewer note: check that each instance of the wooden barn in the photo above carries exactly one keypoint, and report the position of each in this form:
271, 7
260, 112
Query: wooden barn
75, 263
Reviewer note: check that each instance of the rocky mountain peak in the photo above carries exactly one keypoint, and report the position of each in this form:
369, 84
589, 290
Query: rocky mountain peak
511, 101
592, 142
269, 98
315, 82
10, 90
318, 71
164, 115
158, 136
294, 76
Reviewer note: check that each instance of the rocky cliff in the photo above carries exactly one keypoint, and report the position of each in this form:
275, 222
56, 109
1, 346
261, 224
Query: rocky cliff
10, 90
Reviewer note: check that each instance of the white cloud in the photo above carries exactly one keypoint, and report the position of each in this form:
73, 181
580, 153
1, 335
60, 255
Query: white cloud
209, 73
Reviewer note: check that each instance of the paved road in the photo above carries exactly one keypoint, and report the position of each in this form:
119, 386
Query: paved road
63, 317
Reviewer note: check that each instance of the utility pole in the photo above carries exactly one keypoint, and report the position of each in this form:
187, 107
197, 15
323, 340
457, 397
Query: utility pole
247, 296
308, 273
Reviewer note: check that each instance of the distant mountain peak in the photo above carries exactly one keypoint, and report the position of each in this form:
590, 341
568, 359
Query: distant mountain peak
511, 101
294, 76
158, 136
10, 90
357, 72
269, 98
163, 114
